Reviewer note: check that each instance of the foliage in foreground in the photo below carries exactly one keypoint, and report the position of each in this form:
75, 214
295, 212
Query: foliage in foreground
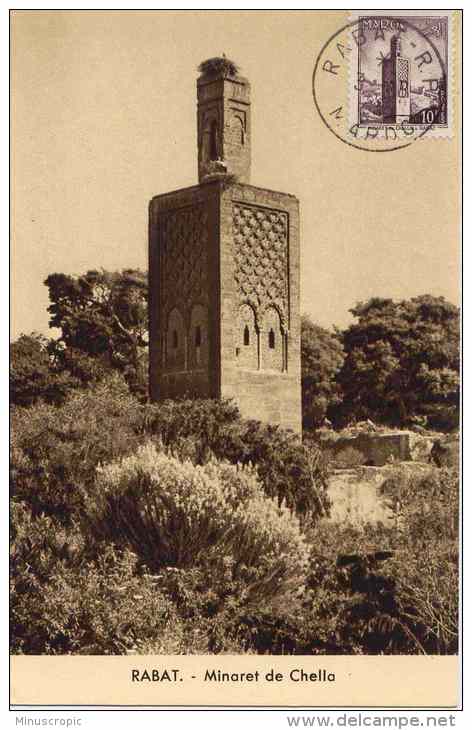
207, 556
377, 589
64, 603
293, 473
214, 517
55, 450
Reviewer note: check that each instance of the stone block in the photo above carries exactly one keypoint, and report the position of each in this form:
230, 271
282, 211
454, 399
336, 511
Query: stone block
370, 449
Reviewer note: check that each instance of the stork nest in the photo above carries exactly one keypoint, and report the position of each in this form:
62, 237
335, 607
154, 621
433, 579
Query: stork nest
218, 66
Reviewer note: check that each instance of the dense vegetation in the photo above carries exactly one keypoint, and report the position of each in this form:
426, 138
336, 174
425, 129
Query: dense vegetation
180, 527
402, 362
397, 364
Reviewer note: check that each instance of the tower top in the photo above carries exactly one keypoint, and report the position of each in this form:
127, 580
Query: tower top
395, 46
223, 119
219, 67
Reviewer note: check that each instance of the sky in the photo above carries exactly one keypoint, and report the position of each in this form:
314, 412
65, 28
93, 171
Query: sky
104, 117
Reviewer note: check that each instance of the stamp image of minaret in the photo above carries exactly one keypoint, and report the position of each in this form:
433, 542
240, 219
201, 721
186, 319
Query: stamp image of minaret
396, 99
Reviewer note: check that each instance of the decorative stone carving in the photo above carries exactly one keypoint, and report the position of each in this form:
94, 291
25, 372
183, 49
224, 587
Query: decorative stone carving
261, 252
271, 341
174, 353
246, 340
183, 258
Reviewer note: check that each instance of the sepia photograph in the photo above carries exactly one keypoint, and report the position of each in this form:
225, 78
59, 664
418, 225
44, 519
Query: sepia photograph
235, 346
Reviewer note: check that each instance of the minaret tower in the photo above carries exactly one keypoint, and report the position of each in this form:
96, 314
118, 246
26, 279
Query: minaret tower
396, 100
223, 122
224, 270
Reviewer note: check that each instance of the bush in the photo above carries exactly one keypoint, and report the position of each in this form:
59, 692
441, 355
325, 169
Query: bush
204, 420
101, 607
390, 590
63, 601
426, 565
378, 589
55, 450
291, 472
38, 544
214, 517
38, 547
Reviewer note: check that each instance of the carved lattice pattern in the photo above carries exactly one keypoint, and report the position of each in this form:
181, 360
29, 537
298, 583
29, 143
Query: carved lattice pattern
261, 249
184, 263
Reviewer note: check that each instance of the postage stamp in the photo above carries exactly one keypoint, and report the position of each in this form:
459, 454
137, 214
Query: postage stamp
403, 71
382, 82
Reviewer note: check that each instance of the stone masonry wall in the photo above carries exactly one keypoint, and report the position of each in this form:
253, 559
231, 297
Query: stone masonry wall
197, 265
271, 281
183, 286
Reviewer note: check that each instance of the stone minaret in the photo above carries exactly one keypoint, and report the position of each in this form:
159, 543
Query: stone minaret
224, 126
224, 271
396, 101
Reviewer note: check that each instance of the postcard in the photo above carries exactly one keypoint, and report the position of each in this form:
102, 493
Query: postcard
235, 359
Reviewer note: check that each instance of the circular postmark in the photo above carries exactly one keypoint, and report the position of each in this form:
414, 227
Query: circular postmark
380, 82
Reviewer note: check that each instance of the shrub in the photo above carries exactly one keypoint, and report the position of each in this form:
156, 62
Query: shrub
330, 614
426, 564
62, 601
378, 589
291, 472
38, 546
389, 589
101, 607
55, 450
215, 517
205, 420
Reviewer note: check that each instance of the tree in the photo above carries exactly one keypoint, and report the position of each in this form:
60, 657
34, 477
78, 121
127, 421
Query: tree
33, 376
322, 357
103, 321
402, 361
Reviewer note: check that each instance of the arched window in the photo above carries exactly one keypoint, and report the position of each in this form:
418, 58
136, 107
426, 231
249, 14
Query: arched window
198, 336
214, 140
247, 338
175, 342
272, 344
